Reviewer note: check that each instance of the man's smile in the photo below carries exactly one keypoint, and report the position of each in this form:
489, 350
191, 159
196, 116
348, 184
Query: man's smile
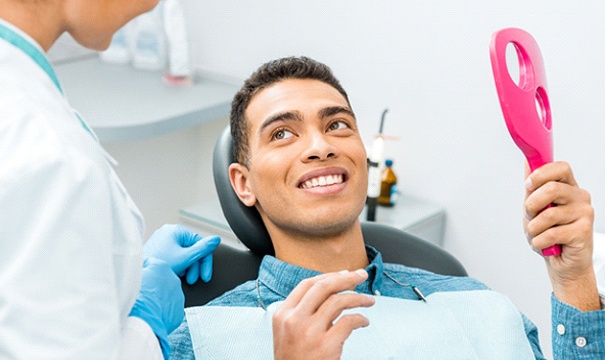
332, 175
322, 181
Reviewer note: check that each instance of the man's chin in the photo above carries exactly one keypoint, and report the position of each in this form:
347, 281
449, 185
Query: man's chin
327, 227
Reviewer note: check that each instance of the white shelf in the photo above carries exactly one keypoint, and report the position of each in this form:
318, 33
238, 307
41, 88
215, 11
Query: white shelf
121, 103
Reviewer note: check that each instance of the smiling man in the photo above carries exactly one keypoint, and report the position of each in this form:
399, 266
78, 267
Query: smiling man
306, 174
302, 164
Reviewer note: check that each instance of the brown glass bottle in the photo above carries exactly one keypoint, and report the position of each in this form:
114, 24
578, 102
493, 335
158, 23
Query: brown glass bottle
388, 186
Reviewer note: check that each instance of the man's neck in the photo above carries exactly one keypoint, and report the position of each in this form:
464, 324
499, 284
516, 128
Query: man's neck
345, 251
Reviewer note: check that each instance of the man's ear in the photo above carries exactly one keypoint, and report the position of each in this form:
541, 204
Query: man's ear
238, 175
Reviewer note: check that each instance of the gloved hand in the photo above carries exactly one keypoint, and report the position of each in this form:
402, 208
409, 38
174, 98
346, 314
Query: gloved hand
184, 251
161, 301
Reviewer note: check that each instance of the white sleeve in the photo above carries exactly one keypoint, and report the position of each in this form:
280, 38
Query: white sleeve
139, 341
59, 297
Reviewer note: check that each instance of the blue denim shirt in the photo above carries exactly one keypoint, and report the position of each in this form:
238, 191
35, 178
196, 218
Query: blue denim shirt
276, 279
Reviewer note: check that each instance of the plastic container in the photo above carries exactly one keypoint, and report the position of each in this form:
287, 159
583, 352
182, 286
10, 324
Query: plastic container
149, 41
388, 186
177, 40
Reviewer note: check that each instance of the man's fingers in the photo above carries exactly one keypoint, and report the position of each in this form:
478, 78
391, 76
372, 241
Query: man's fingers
310, 322
300, 290
310, 293
568, 234
550, 217
333, 307
559, 194
343, 328
334, 283
558, 171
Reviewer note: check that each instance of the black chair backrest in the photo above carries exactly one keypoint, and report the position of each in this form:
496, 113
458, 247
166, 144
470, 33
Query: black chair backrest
231, 267
234, 266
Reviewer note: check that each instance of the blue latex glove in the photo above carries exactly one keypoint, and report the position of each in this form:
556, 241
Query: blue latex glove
161, 301
184, 250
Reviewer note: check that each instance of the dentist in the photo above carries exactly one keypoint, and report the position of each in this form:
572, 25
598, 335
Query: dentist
75, 280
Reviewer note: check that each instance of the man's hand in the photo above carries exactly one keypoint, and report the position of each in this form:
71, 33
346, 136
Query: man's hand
304, 325
569, 222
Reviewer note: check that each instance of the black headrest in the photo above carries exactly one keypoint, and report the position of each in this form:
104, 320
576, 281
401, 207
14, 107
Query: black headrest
245, 221
396, 245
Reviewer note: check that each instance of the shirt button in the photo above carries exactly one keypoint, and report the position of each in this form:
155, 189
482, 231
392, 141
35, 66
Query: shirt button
376, 292
561, 329
580, 341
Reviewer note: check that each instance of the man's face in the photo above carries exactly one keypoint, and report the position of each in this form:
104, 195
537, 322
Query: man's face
308, 170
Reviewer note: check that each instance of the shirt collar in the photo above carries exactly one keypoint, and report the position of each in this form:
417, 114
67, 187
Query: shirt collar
29, 46
375, 273
21, 40
281, 277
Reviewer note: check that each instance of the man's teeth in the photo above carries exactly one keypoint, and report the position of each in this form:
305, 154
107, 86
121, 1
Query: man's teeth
322, 181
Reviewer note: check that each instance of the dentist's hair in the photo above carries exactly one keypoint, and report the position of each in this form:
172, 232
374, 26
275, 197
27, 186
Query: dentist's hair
267, 74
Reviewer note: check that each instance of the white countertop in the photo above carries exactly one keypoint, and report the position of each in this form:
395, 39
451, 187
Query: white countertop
122, 103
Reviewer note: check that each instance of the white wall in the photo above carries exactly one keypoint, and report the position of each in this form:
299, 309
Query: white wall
428, 62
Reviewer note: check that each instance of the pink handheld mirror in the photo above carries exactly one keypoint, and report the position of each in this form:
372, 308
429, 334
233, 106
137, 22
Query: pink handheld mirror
524, 103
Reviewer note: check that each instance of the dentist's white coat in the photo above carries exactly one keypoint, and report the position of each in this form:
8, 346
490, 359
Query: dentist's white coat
70, 235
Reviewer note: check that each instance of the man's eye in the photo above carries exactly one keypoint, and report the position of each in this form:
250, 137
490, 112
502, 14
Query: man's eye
336, 125
281, 134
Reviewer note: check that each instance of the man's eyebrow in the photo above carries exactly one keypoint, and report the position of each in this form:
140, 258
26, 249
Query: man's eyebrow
281, 116
334, 110
293, 115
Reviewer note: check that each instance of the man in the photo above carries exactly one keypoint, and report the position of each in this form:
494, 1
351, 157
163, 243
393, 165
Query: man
302, 164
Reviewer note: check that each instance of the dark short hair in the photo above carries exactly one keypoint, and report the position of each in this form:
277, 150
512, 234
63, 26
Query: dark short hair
267, 74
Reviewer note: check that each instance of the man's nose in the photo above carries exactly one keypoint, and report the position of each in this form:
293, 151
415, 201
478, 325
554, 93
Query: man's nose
319, 147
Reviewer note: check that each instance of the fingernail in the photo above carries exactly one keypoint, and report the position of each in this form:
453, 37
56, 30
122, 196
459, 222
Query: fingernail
206, 276
214, 241
361, 272
528, 183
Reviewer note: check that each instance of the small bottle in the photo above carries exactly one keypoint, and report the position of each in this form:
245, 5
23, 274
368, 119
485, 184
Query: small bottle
388, 186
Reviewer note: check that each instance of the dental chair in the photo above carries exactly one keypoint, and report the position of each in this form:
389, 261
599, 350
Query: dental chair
234, 266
